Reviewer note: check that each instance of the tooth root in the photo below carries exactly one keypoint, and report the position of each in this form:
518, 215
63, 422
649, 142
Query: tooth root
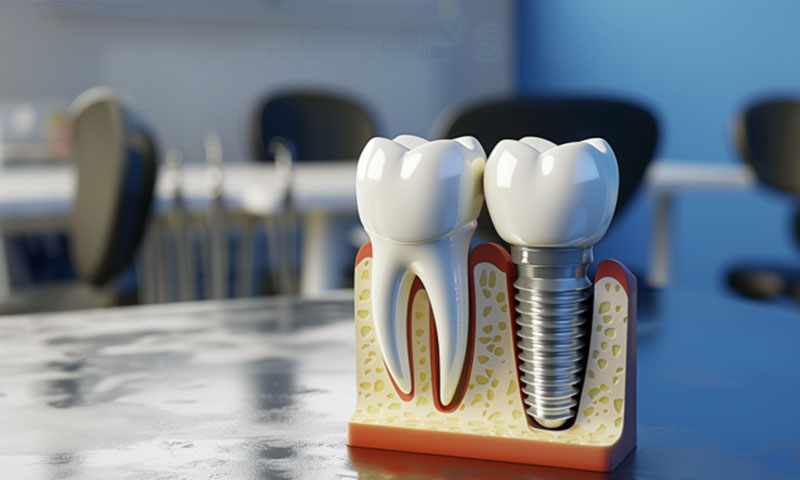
390, 286
442, 267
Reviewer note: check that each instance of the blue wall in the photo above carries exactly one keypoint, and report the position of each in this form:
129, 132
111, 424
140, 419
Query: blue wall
695, 64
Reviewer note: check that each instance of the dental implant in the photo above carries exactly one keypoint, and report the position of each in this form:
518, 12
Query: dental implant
552, 204
553, 294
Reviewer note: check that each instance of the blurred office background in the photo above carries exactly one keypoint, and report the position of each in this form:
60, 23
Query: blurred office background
696, 66
198, 71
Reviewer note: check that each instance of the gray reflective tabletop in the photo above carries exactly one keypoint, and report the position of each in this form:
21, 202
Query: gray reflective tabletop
257, 389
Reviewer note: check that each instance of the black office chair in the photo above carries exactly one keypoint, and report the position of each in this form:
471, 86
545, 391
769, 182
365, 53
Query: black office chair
316, 126
115, 158
115, 170
630, 129
298, 127
767, 134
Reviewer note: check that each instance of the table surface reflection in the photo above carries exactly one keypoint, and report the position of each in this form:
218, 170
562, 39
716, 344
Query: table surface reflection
253, 389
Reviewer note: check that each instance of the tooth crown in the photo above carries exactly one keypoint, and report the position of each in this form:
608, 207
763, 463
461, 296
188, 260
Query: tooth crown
545, 195
410, 190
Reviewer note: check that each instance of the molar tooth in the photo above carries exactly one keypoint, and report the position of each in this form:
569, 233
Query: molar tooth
419, 201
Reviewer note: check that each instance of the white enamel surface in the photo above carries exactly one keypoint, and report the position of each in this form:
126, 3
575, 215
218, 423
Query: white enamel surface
540, 194
419, 201
412, 191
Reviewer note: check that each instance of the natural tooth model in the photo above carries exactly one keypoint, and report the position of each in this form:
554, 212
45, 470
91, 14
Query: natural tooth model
552, 204
419, 201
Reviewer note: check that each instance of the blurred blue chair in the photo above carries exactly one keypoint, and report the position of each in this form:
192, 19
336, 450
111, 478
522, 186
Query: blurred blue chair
767, 134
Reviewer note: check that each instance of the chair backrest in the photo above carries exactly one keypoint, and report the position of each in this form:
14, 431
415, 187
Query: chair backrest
316, 126
767, 134
630, 129
115, 158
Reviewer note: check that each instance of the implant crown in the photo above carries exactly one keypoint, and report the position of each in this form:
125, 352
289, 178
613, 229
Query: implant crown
547, 195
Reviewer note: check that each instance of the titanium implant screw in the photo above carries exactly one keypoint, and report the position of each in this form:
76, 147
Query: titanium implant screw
553, 295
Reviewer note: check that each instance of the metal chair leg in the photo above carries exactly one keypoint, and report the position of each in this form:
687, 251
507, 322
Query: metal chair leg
244, 280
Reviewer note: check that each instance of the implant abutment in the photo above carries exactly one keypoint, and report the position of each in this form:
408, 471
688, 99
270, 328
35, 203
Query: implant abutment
553, 309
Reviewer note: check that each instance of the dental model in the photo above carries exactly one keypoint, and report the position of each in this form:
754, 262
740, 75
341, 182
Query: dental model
445, 365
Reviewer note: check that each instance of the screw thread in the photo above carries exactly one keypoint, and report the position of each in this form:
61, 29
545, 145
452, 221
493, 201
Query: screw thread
553, 304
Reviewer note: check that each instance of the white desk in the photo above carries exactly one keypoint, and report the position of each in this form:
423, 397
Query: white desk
667, 178
264, 388
28, 195
39, 199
